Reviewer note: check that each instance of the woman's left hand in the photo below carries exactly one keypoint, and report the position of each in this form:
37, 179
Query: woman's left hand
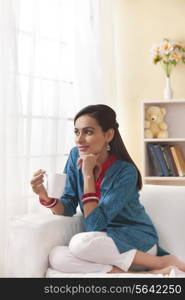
88, 162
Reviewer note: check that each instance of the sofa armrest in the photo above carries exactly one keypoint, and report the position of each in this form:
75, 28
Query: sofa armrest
32, 236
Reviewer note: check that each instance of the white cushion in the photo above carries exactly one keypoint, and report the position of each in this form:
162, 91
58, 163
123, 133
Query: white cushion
31, 238
166, 207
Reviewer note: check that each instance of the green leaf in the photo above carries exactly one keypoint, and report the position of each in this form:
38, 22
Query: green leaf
173, 62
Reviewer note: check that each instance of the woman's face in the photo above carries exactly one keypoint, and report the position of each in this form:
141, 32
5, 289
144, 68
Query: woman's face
89, 137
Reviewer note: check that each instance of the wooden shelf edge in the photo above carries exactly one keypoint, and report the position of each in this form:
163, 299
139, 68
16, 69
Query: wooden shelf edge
176, 181
173, 140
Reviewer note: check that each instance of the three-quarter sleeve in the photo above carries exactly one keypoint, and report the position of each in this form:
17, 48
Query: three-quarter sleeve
70, 195
113, 200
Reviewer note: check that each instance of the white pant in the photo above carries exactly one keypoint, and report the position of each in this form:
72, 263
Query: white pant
90, 252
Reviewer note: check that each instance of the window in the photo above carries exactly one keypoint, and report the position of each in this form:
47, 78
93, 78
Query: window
58, 71
45, 75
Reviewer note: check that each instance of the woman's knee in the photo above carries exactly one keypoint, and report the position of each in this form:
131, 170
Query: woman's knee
59, 258
82, 243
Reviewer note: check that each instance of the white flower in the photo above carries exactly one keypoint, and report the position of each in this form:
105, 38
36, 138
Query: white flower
166, 47
175, 55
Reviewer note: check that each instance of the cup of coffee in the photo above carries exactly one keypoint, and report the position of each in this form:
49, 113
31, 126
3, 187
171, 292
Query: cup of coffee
55, 184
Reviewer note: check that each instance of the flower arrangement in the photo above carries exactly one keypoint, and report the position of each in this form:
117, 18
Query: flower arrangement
168, 53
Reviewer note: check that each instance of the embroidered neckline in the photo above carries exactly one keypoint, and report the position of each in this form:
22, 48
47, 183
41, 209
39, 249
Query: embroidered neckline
106, 165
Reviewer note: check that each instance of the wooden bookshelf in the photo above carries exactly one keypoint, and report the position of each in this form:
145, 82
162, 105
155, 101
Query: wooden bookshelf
175, 119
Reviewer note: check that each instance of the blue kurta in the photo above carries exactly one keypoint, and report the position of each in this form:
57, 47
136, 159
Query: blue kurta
119, 212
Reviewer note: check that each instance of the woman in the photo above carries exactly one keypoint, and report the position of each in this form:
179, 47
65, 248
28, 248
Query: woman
105, 182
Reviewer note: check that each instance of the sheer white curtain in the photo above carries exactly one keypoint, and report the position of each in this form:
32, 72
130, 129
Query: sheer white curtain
50, 67
89, 81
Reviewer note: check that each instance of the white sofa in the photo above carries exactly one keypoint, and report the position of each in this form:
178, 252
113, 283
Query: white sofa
31, 237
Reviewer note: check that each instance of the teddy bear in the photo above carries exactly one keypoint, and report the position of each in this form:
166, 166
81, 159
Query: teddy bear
155, 127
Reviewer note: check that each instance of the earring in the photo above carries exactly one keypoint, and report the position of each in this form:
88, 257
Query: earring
108, 147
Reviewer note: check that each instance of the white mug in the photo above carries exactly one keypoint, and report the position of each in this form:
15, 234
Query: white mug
55, 184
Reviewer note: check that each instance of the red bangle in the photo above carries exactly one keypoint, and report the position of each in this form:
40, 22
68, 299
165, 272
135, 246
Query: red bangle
92, 197
90, 200
89, 195
50, 203
53, 204
43, 202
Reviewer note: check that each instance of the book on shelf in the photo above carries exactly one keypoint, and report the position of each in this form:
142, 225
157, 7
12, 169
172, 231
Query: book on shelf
161, 160
178, 158
154, 160
169, 160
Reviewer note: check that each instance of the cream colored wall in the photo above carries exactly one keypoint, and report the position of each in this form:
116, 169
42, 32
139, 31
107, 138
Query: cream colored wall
137, 25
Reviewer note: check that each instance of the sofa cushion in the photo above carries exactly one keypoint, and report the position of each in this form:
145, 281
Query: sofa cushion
166, 207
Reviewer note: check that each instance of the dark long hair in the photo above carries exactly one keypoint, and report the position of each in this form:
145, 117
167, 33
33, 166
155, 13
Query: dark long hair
106, 118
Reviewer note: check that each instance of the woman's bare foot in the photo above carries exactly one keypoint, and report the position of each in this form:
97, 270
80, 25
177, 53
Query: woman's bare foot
172, 260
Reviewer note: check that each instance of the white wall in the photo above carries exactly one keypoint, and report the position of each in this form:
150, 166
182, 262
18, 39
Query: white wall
137, 25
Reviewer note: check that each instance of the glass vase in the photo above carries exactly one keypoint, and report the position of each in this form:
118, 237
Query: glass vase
168, 92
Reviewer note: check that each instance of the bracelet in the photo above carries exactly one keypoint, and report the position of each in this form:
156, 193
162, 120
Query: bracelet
89, 200
43, 202
50, 203
92, 197
89, 195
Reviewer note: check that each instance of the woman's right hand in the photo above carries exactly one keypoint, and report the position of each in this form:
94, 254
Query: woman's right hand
37, 185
